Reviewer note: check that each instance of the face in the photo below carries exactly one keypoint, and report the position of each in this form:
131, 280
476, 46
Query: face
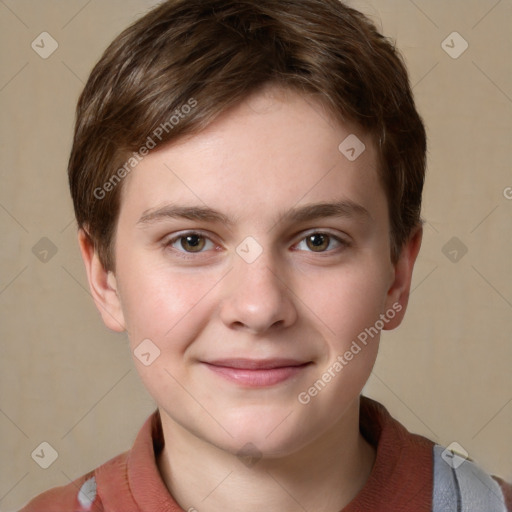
255, 256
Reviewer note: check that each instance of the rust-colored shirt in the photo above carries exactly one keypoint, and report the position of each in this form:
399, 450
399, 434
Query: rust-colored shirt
410, 473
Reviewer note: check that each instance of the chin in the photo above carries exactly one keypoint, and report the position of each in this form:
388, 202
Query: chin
266, 436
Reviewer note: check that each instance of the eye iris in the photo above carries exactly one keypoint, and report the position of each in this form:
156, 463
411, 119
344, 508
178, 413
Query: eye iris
193, 243
318, 242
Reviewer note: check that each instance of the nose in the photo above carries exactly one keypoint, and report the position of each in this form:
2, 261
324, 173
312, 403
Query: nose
257, 297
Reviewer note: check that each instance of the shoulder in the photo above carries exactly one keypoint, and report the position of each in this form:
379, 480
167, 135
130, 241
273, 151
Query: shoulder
80, 495
432, 477
460, 484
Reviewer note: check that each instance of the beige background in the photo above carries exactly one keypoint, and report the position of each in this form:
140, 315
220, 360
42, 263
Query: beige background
445, 373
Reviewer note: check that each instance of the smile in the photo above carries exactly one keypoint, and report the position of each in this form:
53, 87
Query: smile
257, 373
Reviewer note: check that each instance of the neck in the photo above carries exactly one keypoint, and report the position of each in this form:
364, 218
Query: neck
205, 478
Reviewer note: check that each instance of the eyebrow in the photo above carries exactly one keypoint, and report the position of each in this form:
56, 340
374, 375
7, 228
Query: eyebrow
170, 211
344, 208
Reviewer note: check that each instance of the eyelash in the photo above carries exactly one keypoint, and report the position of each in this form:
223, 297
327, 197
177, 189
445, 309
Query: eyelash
191, 255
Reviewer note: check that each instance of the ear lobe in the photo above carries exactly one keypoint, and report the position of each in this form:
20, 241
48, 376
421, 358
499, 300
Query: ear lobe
102, 284
398, 293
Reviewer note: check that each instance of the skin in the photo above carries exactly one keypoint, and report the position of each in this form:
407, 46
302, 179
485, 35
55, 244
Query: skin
272, 155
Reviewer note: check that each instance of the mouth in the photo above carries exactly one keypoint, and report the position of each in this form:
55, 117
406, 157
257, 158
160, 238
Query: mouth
257, 372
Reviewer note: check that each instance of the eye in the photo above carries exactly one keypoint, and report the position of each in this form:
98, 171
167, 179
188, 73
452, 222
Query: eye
320, 242
191, 243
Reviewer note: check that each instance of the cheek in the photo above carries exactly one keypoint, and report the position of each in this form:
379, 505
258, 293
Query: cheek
165, 313
345, 301
162, 305
346, 309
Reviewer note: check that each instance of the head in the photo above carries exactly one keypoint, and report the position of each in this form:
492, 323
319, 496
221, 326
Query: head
224, 216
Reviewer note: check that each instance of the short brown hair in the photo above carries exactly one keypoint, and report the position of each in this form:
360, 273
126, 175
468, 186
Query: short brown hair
213, 54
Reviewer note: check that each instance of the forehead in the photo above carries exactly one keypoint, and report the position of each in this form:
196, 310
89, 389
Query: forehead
273, 152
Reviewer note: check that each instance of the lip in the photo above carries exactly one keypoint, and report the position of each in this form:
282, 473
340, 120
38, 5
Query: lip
257, 372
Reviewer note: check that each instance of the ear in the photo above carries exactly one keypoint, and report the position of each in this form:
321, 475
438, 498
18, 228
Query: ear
102, 284
398, 293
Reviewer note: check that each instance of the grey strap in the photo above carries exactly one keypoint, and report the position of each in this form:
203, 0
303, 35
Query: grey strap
461, 486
